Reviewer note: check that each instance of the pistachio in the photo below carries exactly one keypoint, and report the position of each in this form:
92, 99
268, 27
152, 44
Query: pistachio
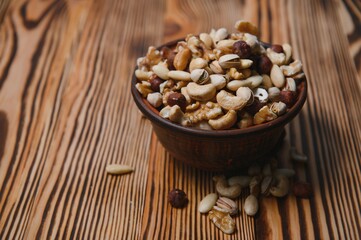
282, 187
222, 220
228, 205
277, 77
199, 76
207, 203
229, 61
117, 169
261, 94
251, 205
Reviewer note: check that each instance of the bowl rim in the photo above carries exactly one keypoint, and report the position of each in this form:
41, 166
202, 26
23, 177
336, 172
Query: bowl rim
151, 113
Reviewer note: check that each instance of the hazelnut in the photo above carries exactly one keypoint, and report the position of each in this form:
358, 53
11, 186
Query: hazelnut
277, 48
155, 82
288, 97
177, 198
168, 54
179, 99
242, 49
255, 106
302, 189
264, 65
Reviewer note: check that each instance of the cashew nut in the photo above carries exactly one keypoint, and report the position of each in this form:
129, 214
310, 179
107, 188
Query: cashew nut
155, 99
143, 75
201, 92
276, 58
282, 187
218, 80
179, 75
292, 69
287, 49
251, 82
225, 190
229, 101
225, 121
182, 58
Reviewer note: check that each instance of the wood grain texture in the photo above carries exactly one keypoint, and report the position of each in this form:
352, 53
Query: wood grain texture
66, 112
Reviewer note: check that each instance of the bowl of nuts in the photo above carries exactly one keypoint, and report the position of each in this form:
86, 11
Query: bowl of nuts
219, 101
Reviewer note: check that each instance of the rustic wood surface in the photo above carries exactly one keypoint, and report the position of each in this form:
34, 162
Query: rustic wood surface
66, 112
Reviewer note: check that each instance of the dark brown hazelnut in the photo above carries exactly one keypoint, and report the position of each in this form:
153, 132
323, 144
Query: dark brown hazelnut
177, 198
254, 107
264, 65
168, 54
177, 99
288, 97
242, 49
155, 82
302, 189
277, 48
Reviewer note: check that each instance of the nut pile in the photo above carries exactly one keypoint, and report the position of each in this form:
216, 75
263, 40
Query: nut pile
219, 80
261, 181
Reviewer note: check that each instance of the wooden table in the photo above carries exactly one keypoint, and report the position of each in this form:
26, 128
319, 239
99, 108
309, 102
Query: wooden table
66, 112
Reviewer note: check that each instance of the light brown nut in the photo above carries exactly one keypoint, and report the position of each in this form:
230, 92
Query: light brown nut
287, 49
246, 94
143, 75
292, 69
117, 169
175, 114
186, 95
255, 185
261, 94
243, 181
274, 93
161, 71
182, 58
229, 101
197, 63
206, 39
218, 80
246, 121
264, 115
179, 75
216, 68
224, 189
226, 43
220, 34
252, 41
276, 58
222, 220
207, 203
297, 156
277, 77
199, 76
266, 82
251, 82
224, 122
290, 85
201, 92
279, 108
251, 205
155, 99
228, 205
282, 187
193, 107
164, 113
193, 43
246, 27
229, 61
144, 88
213, 112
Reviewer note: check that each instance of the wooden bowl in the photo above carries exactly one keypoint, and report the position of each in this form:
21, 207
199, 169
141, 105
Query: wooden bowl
218, 150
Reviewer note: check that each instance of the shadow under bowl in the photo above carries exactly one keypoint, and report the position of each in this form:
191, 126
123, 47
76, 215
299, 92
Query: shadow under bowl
218, 150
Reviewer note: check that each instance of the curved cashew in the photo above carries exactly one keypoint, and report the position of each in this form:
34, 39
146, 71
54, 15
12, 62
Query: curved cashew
288, 52
224, 122
201, 92
229, 101
276, 58
292, 69
251, 82
282, 187
224, 189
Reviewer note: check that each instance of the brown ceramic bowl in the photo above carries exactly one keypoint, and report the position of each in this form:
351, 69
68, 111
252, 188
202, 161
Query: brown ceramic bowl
218, 150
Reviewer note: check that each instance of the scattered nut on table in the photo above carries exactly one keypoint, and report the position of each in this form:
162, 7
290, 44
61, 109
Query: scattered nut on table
234, 70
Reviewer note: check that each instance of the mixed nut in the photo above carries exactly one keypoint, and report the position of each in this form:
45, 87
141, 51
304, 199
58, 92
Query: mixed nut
219, 80
265, 181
